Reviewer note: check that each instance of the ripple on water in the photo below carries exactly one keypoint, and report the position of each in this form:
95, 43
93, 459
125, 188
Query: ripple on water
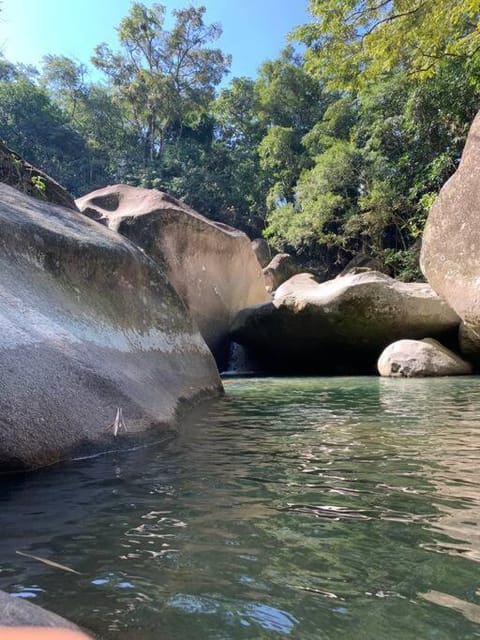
309, 508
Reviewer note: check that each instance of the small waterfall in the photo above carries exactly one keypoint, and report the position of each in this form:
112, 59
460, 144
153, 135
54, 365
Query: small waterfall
240, 362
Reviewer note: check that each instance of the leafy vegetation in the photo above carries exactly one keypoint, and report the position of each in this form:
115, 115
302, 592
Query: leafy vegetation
331, 153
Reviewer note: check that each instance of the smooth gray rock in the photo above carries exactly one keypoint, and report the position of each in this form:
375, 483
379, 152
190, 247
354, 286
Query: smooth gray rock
421, 358
88, 324
211, 265
17, 612
450, 256
342, 325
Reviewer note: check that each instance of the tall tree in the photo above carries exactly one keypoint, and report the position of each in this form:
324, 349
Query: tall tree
164, 79
32, 125
65, 81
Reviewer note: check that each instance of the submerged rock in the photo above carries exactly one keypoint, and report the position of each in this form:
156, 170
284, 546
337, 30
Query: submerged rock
88, 325
211, 265
450, 258
339, 326
421, 358
17, 612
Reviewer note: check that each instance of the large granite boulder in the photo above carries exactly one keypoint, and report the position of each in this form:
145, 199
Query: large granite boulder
340, 326
419, 359
450, 256
212, 266
17, 612
92, 336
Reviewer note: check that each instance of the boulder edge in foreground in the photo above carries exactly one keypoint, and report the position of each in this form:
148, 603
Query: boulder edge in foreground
16, 612
88, 325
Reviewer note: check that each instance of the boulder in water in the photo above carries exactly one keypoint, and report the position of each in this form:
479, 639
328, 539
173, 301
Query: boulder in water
17, 612
94, 340
421, 358
211, 265
342, 325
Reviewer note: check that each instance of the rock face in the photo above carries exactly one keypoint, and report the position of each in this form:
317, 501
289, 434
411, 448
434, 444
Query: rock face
421, 358
16, 612
280, 269
450, 258
212, 266
88, 325
339, 326
262, 251
19, 173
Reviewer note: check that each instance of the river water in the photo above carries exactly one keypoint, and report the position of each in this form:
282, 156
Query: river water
293, 508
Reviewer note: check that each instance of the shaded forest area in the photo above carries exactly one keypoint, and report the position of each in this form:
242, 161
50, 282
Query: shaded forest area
337, 148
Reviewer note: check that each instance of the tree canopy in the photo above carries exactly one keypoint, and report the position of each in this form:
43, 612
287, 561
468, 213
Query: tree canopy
351, 42
337, 147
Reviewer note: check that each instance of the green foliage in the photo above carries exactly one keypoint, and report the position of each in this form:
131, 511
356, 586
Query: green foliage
40, 185
164, 80
325, 201
352, 42
338, 150
379, 157
32, 125
403, 264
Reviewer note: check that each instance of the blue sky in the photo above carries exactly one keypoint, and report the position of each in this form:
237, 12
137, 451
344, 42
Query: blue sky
253, 30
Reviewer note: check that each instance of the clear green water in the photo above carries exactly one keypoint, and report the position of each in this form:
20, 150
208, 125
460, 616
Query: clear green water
309, 509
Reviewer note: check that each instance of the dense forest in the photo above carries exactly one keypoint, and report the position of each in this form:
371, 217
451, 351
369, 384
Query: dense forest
337, 148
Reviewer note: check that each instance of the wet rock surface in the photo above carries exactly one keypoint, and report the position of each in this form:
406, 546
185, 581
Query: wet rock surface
17, 612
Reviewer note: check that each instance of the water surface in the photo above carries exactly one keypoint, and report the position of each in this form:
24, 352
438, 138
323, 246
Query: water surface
294, 508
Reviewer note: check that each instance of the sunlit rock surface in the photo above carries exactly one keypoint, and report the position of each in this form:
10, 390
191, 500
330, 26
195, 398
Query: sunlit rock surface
88, 325
450, 257
421, 358
211, 265
340, 326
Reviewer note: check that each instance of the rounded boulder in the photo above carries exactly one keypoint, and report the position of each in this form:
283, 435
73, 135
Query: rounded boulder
421, 358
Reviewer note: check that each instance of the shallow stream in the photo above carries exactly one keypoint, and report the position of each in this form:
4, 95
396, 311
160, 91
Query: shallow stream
339, 508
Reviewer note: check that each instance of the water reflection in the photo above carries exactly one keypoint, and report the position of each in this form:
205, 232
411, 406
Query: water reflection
315, 508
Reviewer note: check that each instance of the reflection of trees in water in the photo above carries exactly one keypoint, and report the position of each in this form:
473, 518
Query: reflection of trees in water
314, 495
444, 417
444, 420
456, 478
440, 400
